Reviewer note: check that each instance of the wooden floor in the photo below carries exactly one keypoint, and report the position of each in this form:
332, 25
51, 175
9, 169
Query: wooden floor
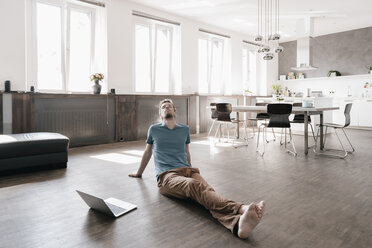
311, 201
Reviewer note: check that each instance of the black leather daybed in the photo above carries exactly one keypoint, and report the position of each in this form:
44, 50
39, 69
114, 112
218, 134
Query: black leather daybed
28, 151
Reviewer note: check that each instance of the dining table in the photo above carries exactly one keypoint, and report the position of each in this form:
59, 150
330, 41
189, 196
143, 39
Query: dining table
295, 110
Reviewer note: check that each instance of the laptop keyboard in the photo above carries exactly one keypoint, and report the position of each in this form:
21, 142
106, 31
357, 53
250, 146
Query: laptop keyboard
115, 209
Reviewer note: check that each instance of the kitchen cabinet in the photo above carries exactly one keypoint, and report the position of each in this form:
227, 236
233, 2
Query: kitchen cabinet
339, 116
365, 119
359, 115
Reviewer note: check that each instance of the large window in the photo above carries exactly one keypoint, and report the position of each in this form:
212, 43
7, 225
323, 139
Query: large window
156, 60
65, 39
49, 47
211, 65
249, 69
79, 49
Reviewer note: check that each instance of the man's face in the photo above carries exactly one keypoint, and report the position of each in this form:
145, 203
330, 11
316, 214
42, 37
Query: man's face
167, 111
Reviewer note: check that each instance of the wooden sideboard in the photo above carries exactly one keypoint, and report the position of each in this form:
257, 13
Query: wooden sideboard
94, 119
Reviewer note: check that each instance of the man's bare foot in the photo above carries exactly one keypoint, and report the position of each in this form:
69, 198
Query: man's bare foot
261, 208
250, 218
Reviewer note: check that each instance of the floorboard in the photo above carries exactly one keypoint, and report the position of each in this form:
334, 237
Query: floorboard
312, 201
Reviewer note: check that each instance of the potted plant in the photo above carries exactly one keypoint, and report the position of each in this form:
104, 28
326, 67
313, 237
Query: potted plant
334, 74
97, 77
247, 92
277, 90
370, 70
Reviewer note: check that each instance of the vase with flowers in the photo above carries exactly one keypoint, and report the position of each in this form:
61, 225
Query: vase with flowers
277, 90
96, 77
366, 86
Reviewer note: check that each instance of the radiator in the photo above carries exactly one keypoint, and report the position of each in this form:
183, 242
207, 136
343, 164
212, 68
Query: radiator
84, 121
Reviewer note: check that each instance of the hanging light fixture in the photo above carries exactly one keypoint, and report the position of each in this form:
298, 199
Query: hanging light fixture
259, 22
279, 49
268, 56
269, 36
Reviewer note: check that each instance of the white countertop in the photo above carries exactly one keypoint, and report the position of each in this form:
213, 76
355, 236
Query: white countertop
300, 99
293, 99
366, 99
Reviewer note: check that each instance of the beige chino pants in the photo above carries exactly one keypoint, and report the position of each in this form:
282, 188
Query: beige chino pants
186, 183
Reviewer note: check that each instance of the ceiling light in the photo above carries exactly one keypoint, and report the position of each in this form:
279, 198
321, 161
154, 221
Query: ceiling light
268, 56
258, 38
279, 49
265, 49
269, 35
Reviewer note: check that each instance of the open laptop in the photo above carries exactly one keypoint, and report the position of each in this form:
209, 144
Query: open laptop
111, 206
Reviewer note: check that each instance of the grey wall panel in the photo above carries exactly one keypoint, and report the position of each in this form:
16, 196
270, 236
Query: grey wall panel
7, 113
204, 114
1, 113
126, 118
192, 114
348, 52
83, 120
148, 112
288, 58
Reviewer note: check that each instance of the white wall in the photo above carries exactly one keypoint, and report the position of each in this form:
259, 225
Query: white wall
120, 48
12, 44
271, 74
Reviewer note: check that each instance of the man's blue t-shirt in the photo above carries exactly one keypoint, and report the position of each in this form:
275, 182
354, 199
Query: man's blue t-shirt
168, 146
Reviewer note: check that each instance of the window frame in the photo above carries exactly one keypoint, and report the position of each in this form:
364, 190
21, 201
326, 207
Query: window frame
170, 86
252, 86
210, 38
153, 27
85, 10
66, 7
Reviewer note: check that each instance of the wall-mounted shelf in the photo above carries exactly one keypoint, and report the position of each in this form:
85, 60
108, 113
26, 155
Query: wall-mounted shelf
369, 76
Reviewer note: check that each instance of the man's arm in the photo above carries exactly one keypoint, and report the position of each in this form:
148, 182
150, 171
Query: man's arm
188, 154
144, 161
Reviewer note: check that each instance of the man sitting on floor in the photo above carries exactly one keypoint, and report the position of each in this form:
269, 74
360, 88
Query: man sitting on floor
169, 142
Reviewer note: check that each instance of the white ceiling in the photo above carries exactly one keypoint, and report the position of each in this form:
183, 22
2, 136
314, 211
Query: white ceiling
330, 16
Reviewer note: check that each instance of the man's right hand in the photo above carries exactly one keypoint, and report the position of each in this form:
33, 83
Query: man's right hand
136, 175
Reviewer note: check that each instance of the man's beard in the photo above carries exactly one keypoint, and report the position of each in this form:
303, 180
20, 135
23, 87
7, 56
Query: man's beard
168, 116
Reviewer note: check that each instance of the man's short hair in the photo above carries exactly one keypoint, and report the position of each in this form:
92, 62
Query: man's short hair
165, 101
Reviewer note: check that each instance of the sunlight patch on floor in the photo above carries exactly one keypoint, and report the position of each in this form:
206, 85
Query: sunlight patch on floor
118, 158
134, 152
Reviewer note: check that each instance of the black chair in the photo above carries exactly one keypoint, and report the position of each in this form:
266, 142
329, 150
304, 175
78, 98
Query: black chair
261, 117
336, 127
300, 118
279, 118
223, 117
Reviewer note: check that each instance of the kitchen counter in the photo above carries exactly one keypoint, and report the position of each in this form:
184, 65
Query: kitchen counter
292, 99
362, 99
